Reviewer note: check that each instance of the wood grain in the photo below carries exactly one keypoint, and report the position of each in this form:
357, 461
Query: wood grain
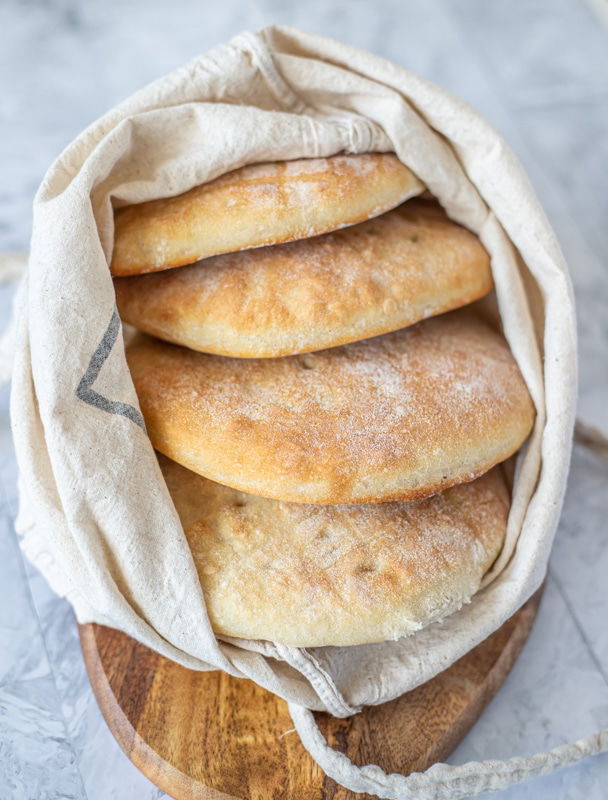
206, 735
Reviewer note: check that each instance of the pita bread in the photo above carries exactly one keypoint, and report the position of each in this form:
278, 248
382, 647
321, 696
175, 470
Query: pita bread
352, 284
310, 576
258, 205
398, 417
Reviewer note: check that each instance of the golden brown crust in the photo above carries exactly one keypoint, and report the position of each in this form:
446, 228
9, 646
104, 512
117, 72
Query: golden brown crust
400, 416
257, 205
310, 576
352, 284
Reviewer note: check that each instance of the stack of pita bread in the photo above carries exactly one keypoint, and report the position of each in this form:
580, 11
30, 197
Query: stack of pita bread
329, 409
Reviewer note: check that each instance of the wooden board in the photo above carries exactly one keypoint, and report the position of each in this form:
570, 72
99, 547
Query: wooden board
207, 735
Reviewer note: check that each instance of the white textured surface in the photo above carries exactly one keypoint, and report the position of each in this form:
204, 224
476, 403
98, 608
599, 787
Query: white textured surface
539, 71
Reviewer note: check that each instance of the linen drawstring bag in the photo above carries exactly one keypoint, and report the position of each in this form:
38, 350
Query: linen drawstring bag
95, 515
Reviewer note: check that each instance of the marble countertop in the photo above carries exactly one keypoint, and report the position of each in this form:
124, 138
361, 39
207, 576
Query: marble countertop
539, 72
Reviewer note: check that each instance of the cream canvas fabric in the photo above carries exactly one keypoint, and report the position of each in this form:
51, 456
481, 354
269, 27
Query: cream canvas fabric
95, 515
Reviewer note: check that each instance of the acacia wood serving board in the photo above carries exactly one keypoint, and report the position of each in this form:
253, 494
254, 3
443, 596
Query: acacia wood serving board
207, 735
